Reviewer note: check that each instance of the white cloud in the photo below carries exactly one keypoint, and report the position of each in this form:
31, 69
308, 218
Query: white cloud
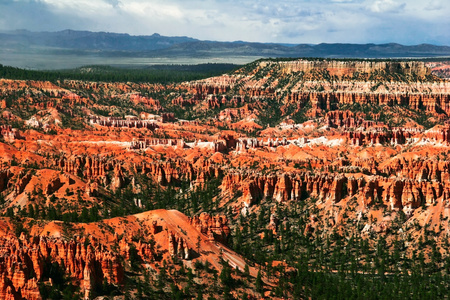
435, 5
75, 5
149, 9
384, 6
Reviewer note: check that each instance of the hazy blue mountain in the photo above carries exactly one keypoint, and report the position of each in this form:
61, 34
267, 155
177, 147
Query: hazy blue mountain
70, 48
87, 40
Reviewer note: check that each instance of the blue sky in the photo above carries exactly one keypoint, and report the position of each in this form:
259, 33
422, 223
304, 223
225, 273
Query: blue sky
285, 21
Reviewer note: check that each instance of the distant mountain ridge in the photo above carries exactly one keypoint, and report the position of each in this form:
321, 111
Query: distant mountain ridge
87, 40
106, 41
71, 48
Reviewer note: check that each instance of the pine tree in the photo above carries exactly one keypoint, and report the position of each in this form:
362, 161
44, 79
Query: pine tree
31, 211
246, 271
259, 283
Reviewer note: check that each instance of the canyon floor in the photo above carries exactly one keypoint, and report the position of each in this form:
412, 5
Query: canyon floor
282, 179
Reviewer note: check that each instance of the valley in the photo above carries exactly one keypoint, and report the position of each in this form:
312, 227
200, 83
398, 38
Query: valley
278, 179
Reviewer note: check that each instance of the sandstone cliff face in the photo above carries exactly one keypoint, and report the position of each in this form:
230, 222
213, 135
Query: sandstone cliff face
147, 143
23, 179
345, 119
128, 123
380, 136
149, 103
216, 85
359, 131
89, 262
286, 186
178, 246
111, 173
406, 191
99, 172
435, 102
419, 170
24, 261
184, 102
348, 68
90, 167
9, 134
214, 227
298, 83
174, 171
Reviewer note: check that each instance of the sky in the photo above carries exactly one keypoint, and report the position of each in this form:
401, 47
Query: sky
408, 22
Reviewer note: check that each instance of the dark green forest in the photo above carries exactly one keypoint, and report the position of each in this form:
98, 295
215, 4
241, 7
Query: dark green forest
151, 74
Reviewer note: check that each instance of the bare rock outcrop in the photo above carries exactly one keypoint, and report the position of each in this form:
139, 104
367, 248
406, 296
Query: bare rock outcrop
23, 263
214, 227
